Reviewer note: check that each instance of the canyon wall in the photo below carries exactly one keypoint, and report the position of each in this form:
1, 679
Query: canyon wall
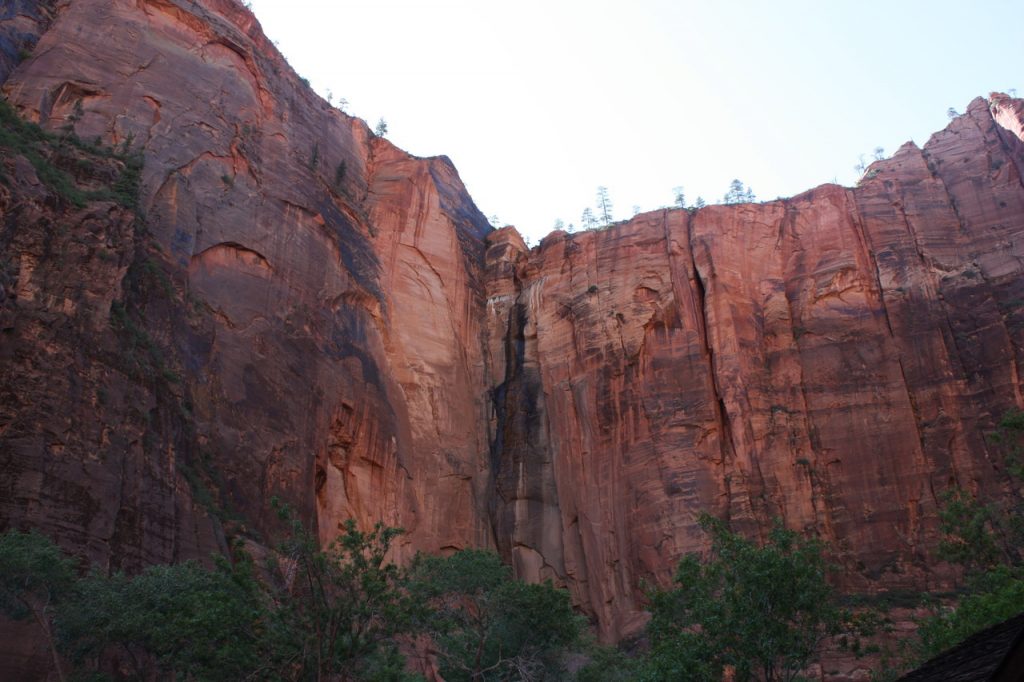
833, 360
340, 365
329, 320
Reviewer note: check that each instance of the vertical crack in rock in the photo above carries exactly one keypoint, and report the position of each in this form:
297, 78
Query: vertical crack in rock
728, 451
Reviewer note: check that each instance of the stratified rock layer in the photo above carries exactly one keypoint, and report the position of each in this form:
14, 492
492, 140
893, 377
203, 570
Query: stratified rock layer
339, 327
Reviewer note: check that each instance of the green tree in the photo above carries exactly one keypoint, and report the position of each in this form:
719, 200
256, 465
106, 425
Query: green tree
987, 540
738, 194
861, 166
993, 596
180, 619
977, 536
735, 193
982, 537
587, 220
315, 614
762, 610
604, 206
382, 128
344, 605
610, 664
486, 625
679, 197
34, 577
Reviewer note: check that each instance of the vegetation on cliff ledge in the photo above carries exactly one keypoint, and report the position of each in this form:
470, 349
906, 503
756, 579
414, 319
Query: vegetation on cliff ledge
987, 541
77, 171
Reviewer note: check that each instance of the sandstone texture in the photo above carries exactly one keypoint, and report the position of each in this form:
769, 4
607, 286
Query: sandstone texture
343, 366
833, 360
95, 430
297, 308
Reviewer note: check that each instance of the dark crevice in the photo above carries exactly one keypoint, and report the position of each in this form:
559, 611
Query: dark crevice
728, 449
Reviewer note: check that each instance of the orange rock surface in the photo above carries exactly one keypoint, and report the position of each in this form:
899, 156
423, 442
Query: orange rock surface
349, 334
833, 360
344, 368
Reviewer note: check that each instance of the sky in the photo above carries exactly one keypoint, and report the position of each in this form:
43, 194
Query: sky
539, 103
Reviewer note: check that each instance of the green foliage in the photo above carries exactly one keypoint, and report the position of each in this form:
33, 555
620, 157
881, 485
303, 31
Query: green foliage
604, 206
35, 577
320, 614
1010, 438
181, 619
969, 529
987, 540
587, 220
34, 574
738, 194
487, 626
681, 656
679, 197
992, 597
41, 148
982, 537
608, 664
142, 356
761, 610
345, 604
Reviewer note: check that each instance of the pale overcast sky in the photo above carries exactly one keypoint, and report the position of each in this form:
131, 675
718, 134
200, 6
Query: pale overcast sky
538, 103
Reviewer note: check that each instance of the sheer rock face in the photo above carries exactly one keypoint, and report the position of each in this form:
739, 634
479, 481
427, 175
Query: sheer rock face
343, 367
94, 432
832, 360
351, 336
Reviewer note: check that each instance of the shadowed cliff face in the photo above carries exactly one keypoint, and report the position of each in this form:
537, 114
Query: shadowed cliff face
21, 24
344, 331
343, 368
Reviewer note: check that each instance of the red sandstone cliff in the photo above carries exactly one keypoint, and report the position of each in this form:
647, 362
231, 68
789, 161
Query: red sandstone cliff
342, 367
337, 327
833, 359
